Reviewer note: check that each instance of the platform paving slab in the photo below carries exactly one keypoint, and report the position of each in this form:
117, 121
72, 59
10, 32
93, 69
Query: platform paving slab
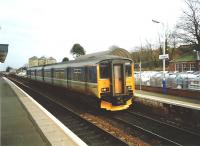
17, 128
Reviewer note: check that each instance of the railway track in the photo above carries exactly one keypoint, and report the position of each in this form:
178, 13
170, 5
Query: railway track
169, 134
150, 129
87, 131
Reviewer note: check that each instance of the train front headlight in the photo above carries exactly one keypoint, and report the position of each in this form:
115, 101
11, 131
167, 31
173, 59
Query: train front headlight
129, 87
104, 89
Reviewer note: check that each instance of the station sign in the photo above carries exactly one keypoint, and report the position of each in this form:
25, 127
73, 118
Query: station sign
166, 56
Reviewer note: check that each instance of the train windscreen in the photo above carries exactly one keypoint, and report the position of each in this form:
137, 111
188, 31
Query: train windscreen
104, 73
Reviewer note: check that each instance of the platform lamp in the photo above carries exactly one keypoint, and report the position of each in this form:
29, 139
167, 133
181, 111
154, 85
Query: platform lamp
198, 58
164, 80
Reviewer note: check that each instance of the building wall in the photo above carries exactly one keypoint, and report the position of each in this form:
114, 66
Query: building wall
51, 61
171, 67
198, 65
183, 66
42, 61
33, 62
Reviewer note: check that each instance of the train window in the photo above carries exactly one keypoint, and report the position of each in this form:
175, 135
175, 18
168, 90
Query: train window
92, 74
32, 73
59, 74
39, 73
104, 70
128, 71
76, 74
82, 74
47, 73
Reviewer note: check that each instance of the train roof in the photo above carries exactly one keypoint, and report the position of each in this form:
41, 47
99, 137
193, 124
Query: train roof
113, 51
85, 62
35, 68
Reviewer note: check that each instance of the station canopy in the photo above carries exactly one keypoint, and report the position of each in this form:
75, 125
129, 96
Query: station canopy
3, 52
114, 51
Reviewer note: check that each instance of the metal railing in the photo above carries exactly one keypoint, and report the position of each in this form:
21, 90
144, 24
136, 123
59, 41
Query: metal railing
176, 80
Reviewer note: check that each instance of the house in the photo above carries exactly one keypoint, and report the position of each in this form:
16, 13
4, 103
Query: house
50, 60
187, 62
42, 60
33, 61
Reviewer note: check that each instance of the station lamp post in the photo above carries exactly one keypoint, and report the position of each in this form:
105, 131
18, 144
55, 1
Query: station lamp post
163, 57
198, 58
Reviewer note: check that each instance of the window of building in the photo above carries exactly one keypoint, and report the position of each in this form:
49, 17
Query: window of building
193, 67
179, 67
186, 67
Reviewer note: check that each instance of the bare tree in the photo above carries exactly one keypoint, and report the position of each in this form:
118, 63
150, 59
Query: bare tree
173, 41
189, 23
167, 40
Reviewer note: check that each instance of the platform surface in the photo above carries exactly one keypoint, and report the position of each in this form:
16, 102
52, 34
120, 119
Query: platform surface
31, 116
16, 127
169, 99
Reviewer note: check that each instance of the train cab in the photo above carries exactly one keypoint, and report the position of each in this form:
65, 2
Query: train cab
116, 84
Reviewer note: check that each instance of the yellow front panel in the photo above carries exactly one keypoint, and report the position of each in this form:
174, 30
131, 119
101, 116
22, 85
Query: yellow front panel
110, 107
130, 80
133, 79
102, 83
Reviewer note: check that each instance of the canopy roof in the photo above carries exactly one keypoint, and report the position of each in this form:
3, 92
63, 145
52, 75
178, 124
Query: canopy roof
186, 58
3, 52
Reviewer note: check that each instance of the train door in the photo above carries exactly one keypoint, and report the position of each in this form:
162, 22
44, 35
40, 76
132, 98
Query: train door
52, 76
65, 77
69, 77
86, 78
118, 78
43, 74
35, 73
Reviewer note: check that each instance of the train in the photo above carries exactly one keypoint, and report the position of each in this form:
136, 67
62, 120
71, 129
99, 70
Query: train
108, 79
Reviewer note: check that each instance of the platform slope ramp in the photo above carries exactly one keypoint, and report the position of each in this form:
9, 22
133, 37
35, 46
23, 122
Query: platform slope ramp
169, 99
54, 131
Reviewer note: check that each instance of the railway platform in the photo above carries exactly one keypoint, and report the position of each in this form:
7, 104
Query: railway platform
25, 122
169, 99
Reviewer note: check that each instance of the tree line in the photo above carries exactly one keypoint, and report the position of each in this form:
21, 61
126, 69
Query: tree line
76, 51
186, 31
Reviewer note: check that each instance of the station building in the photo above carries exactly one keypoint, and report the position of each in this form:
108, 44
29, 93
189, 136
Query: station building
187, 62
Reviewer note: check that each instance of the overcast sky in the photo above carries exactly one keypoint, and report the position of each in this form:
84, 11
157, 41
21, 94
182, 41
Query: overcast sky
51, 27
